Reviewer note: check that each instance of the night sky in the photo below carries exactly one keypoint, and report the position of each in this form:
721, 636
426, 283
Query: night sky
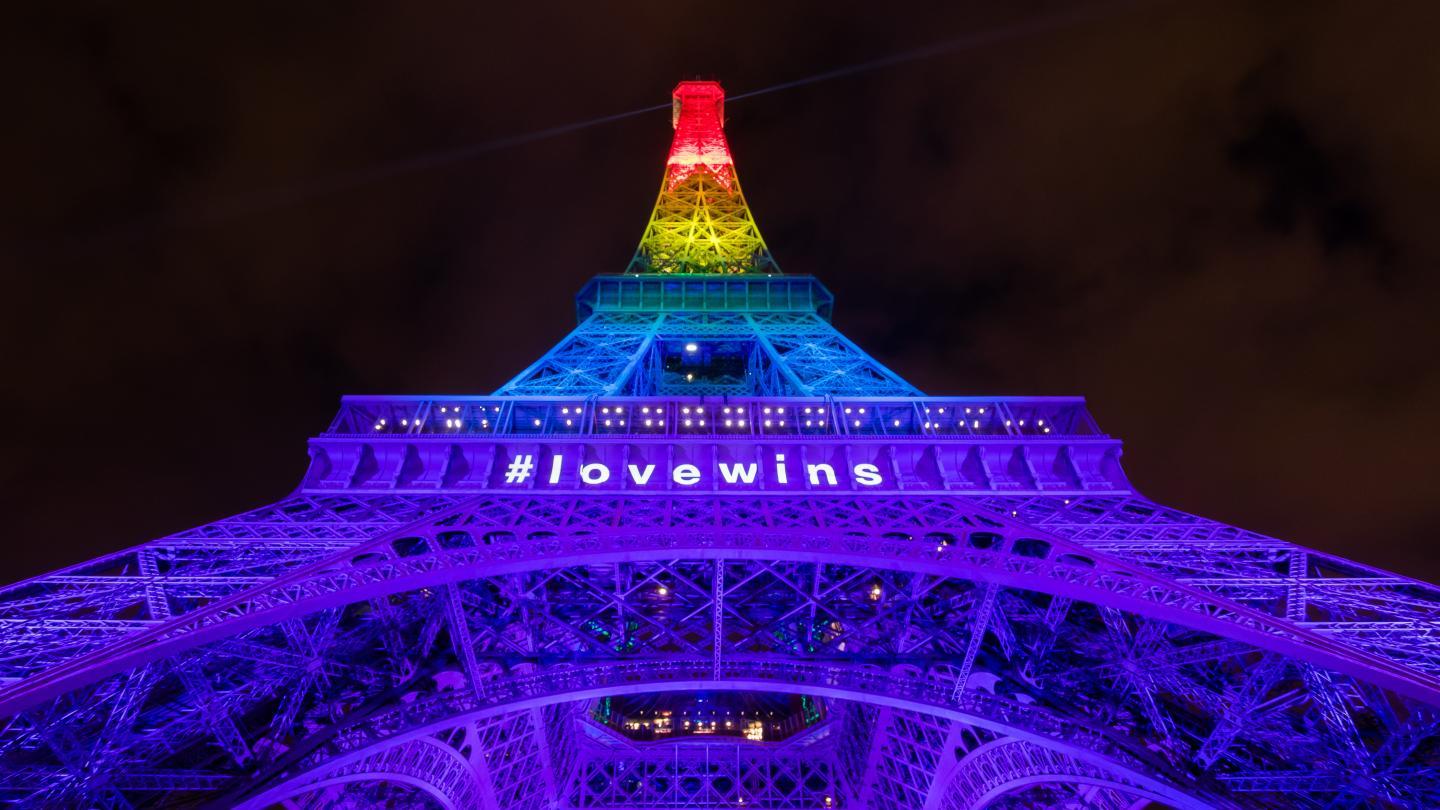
1217, 221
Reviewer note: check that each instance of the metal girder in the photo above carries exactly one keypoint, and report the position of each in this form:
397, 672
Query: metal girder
1005, 620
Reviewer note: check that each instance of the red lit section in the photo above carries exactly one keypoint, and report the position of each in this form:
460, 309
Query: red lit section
699, 145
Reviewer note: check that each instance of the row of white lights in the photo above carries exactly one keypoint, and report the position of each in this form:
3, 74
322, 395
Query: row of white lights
699, 411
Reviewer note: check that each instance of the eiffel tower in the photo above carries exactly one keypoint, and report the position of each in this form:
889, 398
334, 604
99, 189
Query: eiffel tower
707, 553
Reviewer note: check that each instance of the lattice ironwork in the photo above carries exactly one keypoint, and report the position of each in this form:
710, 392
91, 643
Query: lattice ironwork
706, 488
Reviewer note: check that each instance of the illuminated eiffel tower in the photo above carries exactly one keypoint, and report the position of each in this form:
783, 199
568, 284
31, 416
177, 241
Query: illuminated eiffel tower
708, 553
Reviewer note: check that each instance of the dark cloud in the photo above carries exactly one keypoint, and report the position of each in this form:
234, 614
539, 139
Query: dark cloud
1215, 220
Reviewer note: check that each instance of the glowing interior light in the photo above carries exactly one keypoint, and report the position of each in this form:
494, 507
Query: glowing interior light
847, 410
1047, 430
662, 591
727, 409
564, 410
382, 421
404, 422
442, 408
897, 423
729, 423
1040, 422
378, 426
808, 423
619, 409
876, 592
686, 410
689, 378
622, 423
569, 423
1022, 423
645, 409
942, 410
856, 423
688, 423
607, 423
742, 423
702, 423
537, 423
975, 424
604, 410
862, 410
691, 347
807, 410
649, 423
767, 423
822, 423
982, 410
767, 410
1007, 423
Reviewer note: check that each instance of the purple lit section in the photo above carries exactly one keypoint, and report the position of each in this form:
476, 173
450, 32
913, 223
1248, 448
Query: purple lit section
706, 552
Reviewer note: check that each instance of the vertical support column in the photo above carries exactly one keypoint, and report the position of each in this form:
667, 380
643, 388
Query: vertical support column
865, 792
979, 620
1295, 588
547, 763
154, 592
945, 768
461, 639
717, 598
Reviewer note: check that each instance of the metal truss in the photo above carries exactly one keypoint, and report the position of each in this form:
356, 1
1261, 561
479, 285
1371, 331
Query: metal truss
1162, 667
701, 222
784, 354
989, 615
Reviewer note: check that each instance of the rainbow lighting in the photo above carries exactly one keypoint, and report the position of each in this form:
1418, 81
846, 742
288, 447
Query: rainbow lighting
701, 222
706, 552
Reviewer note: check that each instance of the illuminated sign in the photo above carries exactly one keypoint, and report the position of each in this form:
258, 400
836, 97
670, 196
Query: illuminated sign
716, 466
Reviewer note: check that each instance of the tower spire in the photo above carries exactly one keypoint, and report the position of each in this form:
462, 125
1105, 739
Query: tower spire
701, 223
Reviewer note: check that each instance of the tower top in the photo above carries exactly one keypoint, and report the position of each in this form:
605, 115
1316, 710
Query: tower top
701, 223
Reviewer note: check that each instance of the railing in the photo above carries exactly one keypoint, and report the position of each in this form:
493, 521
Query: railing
672, 417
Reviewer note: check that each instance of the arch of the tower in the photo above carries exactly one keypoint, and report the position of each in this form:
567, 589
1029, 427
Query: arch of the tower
1101, 671
970, 756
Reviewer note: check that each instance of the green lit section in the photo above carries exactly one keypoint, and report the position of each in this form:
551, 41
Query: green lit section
701, 223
